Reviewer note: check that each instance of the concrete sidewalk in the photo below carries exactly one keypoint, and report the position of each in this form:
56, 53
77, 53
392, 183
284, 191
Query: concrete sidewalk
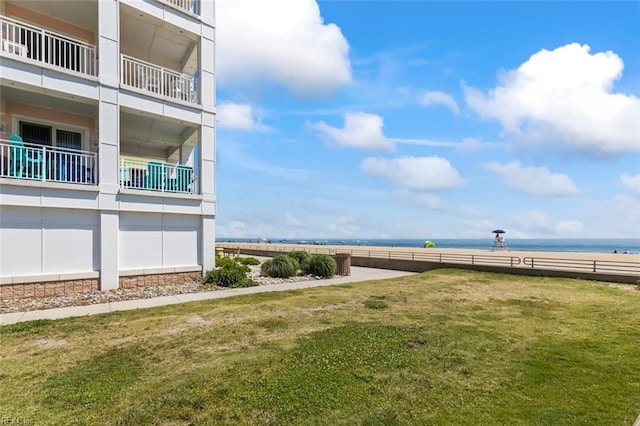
357, 274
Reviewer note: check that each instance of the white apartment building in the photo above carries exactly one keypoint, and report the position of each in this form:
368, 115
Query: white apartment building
107, 144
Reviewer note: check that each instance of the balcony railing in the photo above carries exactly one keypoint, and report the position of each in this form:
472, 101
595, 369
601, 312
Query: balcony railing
187, 5
58, 50
157, 176
157, 80
46, 163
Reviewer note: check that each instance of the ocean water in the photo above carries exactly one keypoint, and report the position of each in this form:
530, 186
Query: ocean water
585, 245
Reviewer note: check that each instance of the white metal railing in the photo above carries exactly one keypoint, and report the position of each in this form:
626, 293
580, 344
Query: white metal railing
59, 50
157, 176
157, 80
188, 5
20, 160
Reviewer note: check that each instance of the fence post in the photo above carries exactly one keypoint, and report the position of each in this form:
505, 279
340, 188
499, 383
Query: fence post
43, 164
594, 266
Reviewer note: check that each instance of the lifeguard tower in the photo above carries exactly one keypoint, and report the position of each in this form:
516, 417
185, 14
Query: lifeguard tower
499, 243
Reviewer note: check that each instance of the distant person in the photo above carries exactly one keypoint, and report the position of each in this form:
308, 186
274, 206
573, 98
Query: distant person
625, 252
615, 251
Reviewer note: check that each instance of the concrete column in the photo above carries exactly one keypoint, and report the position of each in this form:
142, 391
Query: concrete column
206, 55
208, 12
208, 249
108, 42
207, 153
109, 139
109, 226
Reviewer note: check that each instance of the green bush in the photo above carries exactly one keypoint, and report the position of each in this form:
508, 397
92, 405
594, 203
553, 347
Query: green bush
229, 273
301, 256
321, 265
231, 262
281, 266
248, 261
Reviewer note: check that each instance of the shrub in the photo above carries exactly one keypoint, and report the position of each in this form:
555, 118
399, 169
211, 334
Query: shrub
229, 273
231, 262
321, 265
248, 261
281, 266
301, 256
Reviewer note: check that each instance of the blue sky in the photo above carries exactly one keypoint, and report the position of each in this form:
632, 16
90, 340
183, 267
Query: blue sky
420, 119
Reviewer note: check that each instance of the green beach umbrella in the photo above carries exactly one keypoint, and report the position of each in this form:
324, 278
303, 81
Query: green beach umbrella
429, 244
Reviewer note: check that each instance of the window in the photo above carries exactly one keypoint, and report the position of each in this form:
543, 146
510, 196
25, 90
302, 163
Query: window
33, 133
67, 139
49, 136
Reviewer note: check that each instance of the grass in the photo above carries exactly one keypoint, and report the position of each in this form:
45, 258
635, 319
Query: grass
443, 347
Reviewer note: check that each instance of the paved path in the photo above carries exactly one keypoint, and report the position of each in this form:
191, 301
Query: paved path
357, 274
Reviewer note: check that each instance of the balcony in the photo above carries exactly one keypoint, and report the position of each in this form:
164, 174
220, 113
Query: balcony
19, 160
157, 176
190, 6
156, 80
24, 41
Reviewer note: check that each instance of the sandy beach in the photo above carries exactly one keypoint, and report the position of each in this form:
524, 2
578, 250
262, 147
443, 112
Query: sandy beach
354, 250
583, 262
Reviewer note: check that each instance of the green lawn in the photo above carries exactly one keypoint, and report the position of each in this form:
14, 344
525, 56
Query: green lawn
443, 347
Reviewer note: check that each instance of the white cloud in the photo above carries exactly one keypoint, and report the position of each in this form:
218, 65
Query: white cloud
537, 224
533, 180
439, 98
631, 182
234, 154
284, 41
423, 142
617, 217
361, 130
465, 145
422, 199
291, 220
420, 173
236, 116
473, 145
564, 96
231, 229
343, 227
